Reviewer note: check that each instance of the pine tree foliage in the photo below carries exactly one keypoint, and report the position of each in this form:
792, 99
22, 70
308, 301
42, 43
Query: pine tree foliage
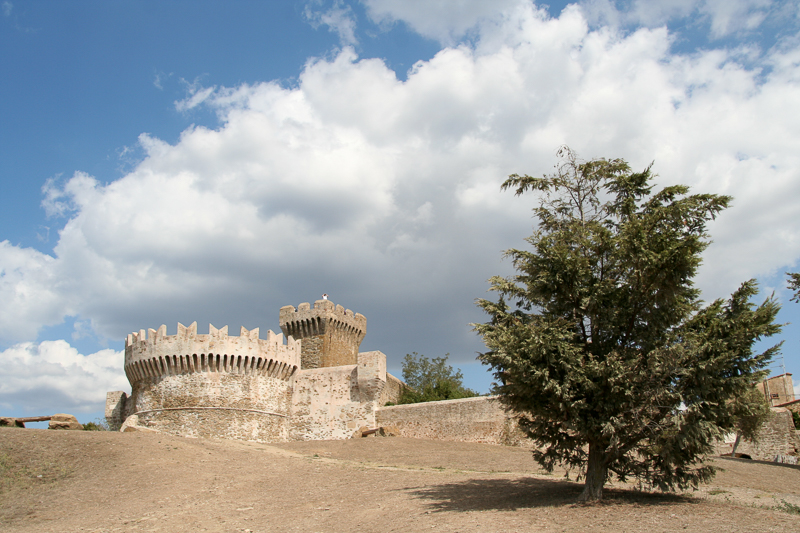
599, 341
794, 285
431, 380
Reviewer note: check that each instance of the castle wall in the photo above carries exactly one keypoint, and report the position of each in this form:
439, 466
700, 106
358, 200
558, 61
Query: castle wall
330, 333
392, 390
483, 420
214, 404
326, 404
340, 344
479, 419
212, 385
116, 409
313, 348
333, 402
776, 437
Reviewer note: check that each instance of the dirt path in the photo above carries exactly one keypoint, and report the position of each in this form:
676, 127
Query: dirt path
102, 482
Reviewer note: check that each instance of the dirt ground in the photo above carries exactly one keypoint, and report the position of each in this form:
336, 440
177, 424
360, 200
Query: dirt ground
82, 481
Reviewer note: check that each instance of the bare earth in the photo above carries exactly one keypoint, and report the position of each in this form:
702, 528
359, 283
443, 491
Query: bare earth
65, 481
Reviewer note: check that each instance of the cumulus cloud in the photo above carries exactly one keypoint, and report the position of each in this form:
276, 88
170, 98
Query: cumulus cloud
385, 193
31, 293
7, 7
53, 377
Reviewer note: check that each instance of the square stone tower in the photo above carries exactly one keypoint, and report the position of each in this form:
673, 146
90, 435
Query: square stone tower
330, 333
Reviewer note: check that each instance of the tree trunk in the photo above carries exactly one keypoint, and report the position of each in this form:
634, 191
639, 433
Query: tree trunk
735, 444
595, 474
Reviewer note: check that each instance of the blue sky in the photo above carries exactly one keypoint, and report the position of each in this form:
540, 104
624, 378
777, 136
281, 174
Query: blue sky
213, 161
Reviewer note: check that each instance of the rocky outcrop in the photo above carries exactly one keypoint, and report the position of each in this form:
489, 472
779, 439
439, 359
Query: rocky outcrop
64, 421
9, 422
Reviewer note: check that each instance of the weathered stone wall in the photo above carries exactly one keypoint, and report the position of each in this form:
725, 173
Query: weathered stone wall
116, 411
467, 420
331, 334
211, 385
327, 404
341, 343
777, 389
776, 437
392, 390
218, 423
311, 355
214, 404
794, 406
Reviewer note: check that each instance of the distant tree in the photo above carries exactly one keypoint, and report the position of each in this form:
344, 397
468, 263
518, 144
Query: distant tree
750, 411
431, 380
600, 343
794, 285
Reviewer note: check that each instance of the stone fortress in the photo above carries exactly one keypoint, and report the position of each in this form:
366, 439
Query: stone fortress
311, 384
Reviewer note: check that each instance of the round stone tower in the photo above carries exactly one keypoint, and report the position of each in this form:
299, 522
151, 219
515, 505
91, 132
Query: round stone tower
212, 385
330, 333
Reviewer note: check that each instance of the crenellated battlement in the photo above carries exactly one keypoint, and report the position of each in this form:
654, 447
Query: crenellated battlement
331, 334
322, 309
309, 382
153, 353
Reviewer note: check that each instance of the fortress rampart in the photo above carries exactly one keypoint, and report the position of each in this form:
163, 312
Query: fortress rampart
211, 385
314, 386
330, 333
155, 353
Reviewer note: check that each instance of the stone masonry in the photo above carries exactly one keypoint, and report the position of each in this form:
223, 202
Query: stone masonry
778, 390
211, 385
330, 333
777, 437
315, 385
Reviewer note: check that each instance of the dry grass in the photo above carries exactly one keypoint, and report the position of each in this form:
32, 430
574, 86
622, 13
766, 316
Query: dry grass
103, 482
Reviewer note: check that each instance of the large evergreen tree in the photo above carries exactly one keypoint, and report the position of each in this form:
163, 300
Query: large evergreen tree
600, 343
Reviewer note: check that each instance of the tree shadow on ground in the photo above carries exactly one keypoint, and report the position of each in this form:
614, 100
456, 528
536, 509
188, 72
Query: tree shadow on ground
527, 493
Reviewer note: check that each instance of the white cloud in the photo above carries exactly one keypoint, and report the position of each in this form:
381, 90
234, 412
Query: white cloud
445, 21
197, 95
31, 293
728, 16
339, 19
7, 7
53, 377
385, 193
159, 78
723, 16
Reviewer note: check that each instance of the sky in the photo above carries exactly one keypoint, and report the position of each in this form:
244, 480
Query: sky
209, 161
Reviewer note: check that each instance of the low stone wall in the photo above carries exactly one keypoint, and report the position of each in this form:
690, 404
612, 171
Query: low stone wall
776, 437
467, 420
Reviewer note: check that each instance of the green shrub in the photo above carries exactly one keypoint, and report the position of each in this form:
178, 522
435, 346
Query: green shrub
98, 425
431, 380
